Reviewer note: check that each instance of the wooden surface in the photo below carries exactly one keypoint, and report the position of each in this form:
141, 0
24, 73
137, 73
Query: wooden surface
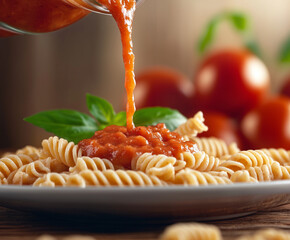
15, 224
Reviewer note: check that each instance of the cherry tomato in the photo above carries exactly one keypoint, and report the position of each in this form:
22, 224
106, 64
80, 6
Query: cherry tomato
221, 126
165, 87
286, 88
268, 126
231, 81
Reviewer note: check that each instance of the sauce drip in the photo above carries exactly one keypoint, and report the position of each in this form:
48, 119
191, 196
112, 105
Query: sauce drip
123, 13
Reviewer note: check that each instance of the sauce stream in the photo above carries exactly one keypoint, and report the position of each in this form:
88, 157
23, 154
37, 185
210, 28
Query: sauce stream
123, 13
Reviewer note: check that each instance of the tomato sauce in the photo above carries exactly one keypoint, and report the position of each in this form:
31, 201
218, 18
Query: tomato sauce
120, 145
123, 13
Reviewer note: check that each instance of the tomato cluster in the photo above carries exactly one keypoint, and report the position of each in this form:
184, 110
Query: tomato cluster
232, 88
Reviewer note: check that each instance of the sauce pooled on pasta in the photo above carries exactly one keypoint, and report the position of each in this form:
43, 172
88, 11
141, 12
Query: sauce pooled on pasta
120, 145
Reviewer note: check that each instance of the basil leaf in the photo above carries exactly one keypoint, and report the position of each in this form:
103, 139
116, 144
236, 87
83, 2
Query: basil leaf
239, 21
208, 35
119, 119
152, 116
71, 125
101, 109
284, 55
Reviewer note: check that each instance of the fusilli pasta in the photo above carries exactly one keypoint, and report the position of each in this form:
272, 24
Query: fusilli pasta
28, 173
267, 234
62, 150
10, 163
215, 147
160, 166
113, 178
191, 231
192, 126
30, 151
87, 163
244, 160
280, 155
193, 177
52, 180
200, 161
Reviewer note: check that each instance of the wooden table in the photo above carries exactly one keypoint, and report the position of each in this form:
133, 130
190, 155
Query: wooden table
25, 226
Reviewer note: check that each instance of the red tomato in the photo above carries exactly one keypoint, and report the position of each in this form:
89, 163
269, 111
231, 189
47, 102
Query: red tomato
232, 82
268, 126
286, 88
165, 87
221, 126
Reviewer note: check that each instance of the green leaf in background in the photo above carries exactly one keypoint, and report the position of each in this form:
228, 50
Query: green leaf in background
101, 109
208, 35
69, 124
239, 20
284, 55
152, 116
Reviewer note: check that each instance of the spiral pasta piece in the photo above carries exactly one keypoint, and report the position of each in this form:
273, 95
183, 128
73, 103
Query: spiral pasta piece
215, 147
242, 176
245, 159
30, 151
280, 172
263, 173
52, 180
193, 177
280, 155
10, 163
28, 173
267, 234
192, 126
191, 231
160, 166
113, 178
87, 163
62, 150
200, 161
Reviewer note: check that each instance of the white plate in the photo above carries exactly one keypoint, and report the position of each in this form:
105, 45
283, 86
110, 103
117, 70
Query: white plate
178, 202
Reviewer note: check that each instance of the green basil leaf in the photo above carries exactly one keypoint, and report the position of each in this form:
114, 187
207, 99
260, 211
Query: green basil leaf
152, 116
208, 35
101, 109
119, 119
284, 55
239, 21
69, 124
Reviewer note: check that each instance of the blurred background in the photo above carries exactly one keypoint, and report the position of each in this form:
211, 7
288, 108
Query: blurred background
56, 70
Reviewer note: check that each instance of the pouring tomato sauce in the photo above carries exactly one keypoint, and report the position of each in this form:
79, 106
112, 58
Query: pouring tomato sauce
122, 144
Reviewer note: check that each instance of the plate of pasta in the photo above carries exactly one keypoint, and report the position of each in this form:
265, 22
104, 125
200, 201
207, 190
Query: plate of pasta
217, 181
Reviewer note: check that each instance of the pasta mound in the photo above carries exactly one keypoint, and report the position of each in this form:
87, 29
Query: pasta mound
154, 156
